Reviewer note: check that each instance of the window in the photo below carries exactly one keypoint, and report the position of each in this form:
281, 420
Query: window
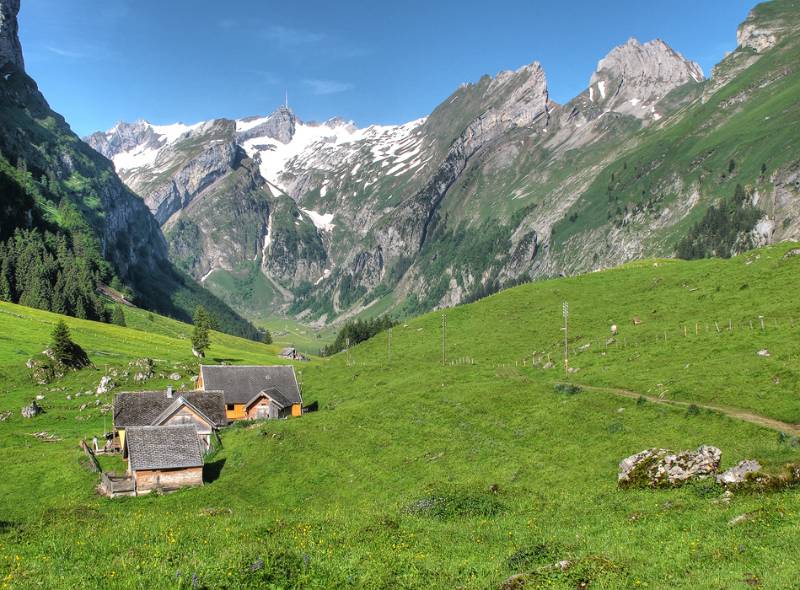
230, 407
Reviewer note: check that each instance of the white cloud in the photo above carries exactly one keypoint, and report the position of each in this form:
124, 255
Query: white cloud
289, 37
324, 87
62, 52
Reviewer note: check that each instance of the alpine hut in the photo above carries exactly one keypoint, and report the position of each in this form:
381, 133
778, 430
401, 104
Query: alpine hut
205, 410
164, 457
254, 392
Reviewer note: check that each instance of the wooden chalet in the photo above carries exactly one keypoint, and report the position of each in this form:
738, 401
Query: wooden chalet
254, 392
164, 458
204, 410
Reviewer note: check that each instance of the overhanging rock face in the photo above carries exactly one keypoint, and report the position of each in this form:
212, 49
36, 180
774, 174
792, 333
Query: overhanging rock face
10, 48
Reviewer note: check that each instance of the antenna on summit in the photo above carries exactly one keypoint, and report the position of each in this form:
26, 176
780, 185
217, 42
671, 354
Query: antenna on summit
286, 102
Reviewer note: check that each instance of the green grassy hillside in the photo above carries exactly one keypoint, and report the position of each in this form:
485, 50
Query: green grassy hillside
419, 474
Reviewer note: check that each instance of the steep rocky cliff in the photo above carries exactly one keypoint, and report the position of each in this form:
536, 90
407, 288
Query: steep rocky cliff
10, 48
78, 194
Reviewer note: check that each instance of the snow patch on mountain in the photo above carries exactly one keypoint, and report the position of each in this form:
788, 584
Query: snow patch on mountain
326, 146
322, 221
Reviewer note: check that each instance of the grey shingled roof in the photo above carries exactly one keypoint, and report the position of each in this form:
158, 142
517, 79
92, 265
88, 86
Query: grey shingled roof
142, 408
241, 384
163, 447
272, 394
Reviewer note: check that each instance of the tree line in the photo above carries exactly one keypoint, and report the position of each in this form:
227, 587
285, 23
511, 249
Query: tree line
724, 229
357, 331
47, 271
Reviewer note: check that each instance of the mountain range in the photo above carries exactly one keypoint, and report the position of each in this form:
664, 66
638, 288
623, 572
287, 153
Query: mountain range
498, 185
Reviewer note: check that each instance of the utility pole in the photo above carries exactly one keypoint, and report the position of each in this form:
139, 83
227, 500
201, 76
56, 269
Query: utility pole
389, 349
444, 338
565, 313
347, 347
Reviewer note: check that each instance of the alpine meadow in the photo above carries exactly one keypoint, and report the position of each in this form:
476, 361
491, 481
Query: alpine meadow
514, 344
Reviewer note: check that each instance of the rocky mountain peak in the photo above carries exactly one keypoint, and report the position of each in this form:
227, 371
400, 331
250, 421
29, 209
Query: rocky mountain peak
634, 76
123, 137
280, 126
10, 48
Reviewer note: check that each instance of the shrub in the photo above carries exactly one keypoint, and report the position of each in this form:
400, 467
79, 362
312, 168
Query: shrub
118, 316
567, 388
526, 558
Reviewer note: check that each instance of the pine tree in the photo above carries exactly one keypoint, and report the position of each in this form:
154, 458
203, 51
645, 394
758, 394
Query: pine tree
6, 275
200, 341
118, 317
62, 344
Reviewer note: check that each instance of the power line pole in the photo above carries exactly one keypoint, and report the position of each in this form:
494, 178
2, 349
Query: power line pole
389, 350
347, 347
565, 313
444, 338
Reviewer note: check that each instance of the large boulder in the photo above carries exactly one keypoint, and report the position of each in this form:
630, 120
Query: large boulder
657, 468
738, 474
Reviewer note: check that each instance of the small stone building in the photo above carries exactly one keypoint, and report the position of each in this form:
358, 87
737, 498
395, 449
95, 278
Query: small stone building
254, 392
164, 458
205, 410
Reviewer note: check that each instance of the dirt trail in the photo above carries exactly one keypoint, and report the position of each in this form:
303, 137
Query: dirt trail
736, 413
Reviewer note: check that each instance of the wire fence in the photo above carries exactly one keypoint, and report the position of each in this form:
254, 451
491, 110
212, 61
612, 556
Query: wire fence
633, 337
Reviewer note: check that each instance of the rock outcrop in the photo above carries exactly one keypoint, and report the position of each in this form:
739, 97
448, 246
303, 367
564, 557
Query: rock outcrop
633, 77
656, 468
10, 48
739, 473
280, 125
766, 26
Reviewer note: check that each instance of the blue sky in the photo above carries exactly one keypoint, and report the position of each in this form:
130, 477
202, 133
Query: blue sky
101, 61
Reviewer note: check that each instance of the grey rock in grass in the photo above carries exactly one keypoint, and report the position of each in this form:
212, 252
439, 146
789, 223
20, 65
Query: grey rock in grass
175, 376
106, 385
32, 410
656, 468
747, 516
739, 472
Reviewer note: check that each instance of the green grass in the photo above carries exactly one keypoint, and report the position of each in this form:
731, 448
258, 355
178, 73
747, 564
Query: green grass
418, 475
